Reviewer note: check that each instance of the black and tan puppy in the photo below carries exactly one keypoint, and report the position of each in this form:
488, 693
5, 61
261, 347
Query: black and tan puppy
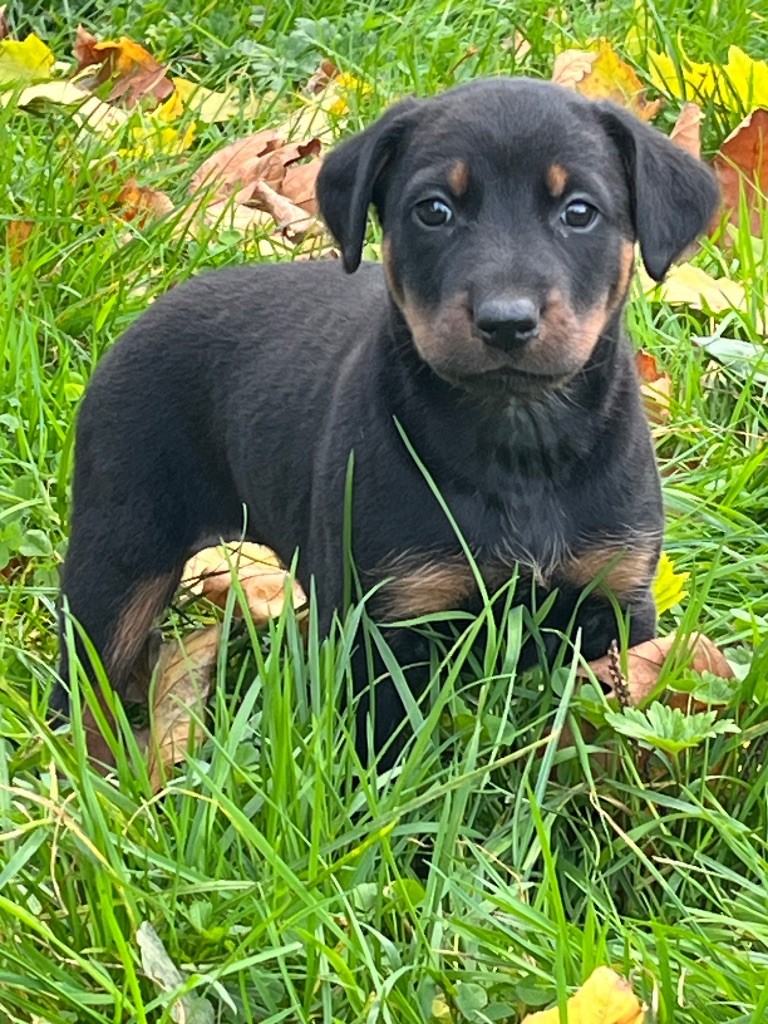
492, 335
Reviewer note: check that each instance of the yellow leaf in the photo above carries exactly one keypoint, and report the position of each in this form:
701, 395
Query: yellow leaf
207, 105
669, 586
152, 137
601, 74
690, 81
23, 62
87, 110
604, 998
745, 81
687, 285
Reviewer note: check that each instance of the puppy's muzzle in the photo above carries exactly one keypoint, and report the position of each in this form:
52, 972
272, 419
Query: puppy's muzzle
507, 323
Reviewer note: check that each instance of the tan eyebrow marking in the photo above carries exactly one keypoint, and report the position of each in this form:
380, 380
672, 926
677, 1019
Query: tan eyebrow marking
557, 179
458, 178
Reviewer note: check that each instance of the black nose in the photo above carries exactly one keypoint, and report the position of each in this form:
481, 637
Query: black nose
507, 323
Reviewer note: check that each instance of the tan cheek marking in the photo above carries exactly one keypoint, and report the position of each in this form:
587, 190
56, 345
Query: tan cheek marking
145, 604
458, 178
436, 331
626, 266
390, 275
434, 586
557, 179
617, 570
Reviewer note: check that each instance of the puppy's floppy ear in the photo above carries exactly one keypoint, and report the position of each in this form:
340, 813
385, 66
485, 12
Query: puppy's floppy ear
347, 179
673, 195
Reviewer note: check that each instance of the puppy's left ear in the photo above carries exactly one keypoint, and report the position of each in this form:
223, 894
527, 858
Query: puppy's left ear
673, 195
346, 185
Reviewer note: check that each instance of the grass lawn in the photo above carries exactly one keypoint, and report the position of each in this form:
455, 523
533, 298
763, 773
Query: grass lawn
287, 884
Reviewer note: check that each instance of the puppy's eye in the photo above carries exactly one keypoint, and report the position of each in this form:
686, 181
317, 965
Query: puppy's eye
579, 215
433, 213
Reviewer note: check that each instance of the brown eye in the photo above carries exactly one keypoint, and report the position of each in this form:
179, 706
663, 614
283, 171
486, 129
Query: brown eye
433, 213
579, 215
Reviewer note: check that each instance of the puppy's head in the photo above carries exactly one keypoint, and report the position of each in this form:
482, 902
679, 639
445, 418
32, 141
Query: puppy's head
510, 209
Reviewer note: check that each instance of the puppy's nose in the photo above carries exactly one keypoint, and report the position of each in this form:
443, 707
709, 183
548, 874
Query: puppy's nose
507, 323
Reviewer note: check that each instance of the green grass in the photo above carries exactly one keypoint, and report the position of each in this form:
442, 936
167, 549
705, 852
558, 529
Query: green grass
495, 870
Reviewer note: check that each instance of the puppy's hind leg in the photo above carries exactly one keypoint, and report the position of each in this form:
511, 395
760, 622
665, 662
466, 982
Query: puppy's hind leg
116, 582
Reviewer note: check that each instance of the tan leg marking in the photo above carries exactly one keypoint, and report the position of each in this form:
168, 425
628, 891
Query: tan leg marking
144, 605
434, 586
617, 570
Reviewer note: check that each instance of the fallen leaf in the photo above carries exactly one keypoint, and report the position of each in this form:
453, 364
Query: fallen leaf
744, 358
260, 572
254, 171
184, 680
25, 62
739, 85
5, 28
645, 661
655, 387
189, 1008
322, 78
294, 223
133, 71
206, 105
518, 45
604, 998
299, 184
688, 285
17, 234
88, 111
742, 165
140, 204
687, 129
601, 74
686, 79
154, 136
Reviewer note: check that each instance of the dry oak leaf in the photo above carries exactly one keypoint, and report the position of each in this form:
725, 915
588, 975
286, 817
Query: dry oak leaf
645, 662
688, 285
742, 164
184, 681
133, 70
259, 570
655, 387
322, 78
687, 129
602, 75
604, 998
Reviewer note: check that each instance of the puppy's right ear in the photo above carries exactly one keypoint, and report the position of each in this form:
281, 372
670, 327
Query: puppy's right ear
347, 180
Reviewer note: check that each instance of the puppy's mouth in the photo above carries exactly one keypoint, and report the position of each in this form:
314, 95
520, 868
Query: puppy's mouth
514, 381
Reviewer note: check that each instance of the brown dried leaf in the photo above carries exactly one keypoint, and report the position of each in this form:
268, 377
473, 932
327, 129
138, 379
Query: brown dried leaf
133, 70
322, 78
602, 74
5, 28
17, 234
184, 680
655, 386
571, 67
646, 660
291, 219
742, 163
517, 44
687, 130
299, 184
259, 570
141, 204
